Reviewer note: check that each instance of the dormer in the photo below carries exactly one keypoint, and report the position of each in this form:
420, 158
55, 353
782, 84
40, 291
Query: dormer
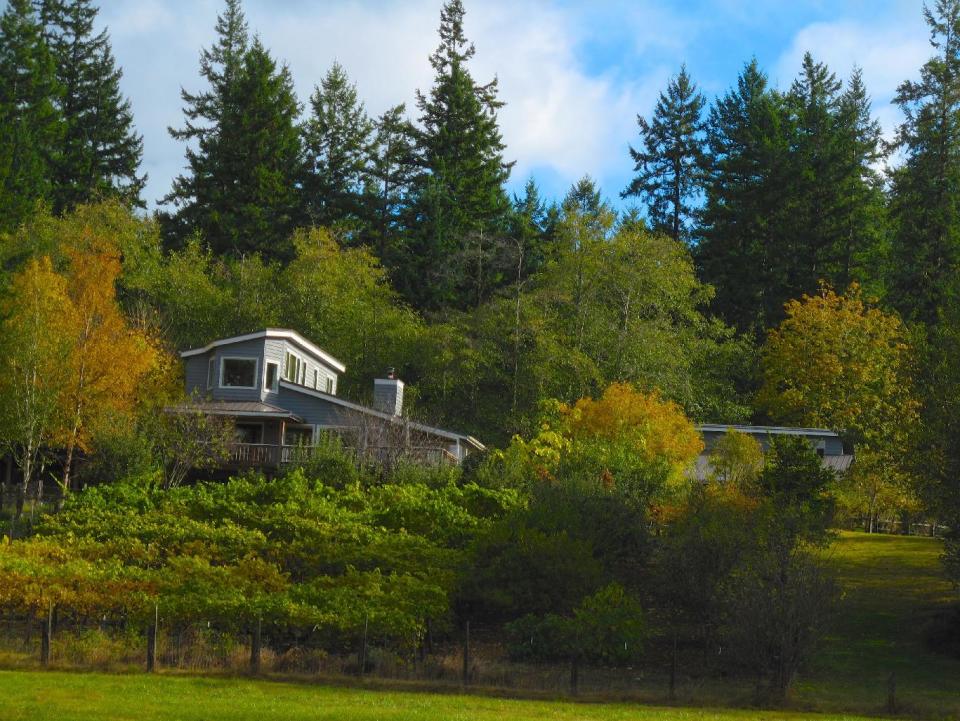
252, 366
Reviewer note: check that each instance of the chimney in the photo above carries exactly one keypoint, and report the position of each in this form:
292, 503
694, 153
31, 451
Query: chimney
388, 394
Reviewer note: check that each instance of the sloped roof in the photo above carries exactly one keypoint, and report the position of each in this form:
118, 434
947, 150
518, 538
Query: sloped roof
284, 333
236, 408
452, 435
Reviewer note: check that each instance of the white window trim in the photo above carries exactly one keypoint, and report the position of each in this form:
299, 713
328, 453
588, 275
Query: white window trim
256, 371
211, 366
300, 366
276, 379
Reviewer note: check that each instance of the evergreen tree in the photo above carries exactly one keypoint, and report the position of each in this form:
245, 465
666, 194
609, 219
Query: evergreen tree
741, 235
926, 187
101, 152
241, 192
337, 138
391, 172
669, 163
528, 227
862, 224
30, 123
460, 201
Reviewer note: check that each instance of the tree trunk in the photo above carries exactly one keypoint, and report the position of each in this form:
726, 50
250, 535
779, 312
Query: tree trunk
574, 674
673, 668
363, 647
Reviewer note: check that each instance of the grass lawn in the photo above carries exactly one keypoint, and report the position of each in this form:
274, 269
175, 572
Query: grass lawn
893, 589
59, 696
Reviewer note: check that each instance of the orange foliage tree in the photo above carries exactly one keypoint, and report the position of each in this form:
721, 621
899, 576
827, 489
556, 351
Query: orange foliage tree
109, 358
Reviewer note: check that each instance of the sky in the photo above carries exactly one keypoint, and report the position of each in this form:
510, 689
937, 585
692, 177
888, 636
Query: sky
574, 74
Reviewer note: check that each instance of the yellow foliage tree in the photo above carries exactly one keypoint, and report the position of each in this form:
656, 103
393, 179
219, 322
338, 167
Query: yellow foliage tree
736, 460
34, 366
656, 430
839, 362
109, 358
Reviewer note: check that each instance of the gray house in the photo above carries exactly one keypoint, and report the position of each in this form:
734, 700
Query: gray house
828, 444
281, 392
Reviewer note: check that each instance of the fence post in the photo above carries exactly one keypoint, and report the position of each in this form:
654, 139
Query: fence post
152, 640
45, 639
466, 653
255, 647
892, 693
363, 647
574, 674
673, 669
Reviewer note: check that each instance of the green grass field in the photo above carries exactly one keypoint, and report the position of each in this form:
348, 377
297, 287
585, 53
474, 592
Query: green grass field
893, 592
57, 696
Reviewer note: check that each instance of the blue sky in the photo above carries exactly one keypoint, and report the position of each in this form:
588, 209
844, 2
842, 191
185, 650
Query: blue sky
574, 73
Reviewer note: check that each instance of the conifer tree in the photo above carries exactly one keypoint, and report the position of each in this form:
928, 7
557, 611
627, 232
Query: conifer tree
391, 172
460, 200
337, 139
241, 191
30, 122
926, 188
739, 252
101, 151
669, 163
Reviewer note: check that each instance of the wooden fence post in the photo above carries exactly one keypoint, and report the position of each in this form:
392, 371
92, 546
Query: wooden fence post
892, 693
363, 647
46, 637
673, 669
255, 647
466, 653
152, 640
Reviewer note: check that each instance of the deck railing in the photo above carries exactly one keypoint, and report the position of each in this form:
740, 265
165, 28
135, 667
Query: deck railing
268, 454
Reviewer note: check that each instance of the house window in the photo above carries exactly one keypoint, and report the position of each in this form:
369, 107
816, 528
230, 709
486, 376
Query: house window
211, 373
238, 372
293, 368
248, 432
316, 379
270, 379
330, 385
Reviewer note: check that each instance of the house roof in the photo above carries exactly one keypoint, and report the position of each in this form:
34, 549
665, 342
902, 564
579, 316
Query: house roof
469, 440
283, 333
237, 408
767, 430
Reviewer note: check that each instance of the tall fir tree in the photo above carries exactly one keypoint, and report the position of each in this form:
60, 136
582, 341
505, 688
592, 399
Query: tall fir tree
670, 160
925, 204
31, 126
862, 225
389, 178
101, 151
460, 203
245, 155
338, 139
741, 234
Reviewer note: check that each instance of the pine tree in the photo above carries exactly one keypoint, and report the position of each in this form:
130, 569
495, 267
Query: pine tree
337, 138
741, 244
926, 188
101, 151
391, 172
669, 163
241, 192
862, 222
460, 200
30, 123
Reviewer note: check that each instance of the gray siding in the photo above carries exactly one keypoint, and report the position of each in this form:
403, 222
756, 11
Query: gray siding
832, 445
314, 366
315, 411
195, 375
244, 349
